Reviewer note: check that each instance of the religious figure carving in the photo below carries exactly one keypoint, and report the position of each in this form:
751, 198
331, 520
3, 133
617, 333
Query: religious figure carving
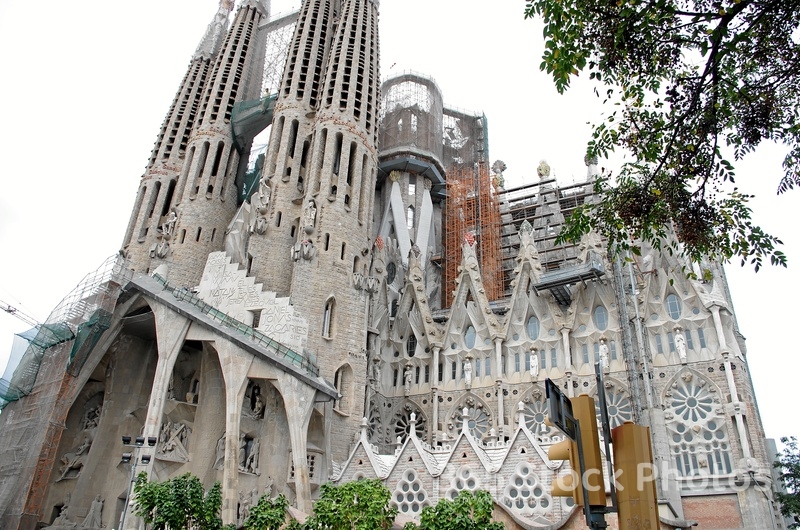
309, 216
175, 446
219, 463
534, 364
251, 464
73, 461
543, 170
94, 519
468, 371
168, 228
407, 379
680, 345
260, 203
242, 451
603, 349
91, 418
62, 521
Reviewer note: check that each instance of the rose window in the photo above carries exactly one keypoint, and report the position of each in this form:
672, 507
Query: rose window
699, 438
402, 425
477, 422
618, 406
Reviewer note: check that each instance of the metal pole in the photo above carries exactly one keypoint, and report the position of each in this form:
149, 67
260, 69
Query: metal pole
130, 487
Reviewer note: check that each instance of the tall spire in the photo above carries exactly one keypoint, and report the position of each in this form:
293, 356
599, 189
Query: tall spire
215, 33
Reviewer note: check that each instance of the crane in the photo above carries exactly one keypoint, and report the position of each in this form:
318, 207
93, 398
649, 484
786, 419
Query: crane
13, 311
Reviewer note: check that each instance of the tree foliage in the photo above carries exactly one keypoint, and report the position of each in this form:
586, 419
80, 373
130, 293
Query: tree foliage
358, 505
688, 84
789, 465
267, 514
180, 503
467, 511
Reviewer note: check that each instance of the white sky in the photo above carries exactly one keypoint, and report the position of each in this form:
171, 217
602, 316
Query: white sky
86, 88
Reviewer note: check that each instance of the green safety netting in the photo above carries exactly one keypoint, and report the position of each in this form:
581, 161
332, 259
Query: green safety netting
86, 338
21, 383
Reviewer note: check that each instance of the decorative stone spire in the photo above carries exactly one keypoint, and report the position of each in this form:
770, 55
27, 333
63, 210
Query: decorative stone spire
215, 33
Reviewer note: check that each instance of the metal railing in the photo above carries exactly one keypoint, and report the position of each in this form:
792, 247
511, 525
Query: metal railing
183, 294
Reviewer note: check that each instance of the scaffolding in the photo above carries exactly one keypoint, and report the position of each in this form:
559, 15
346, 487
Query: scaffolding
545, 206
472, 208
411, 116
81, 317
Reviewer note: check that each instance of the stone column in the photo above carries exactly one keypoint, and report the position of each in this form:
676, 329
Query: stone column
738, 416
235, 364
565, 344
723, 345
298, 398
498, 346
433, 429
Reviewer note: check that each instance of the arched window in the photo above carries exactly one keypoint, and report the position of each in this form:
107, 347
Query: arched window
533, 327
600, 318
411, 345
673, 305
699, 439
410, 217
343, 382
469, 337
327, 318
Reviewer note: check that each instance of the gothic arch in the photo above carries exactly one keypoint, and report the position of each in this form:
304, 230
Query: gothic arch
697, 426
401, 421
619, 402
480, 417
344, 382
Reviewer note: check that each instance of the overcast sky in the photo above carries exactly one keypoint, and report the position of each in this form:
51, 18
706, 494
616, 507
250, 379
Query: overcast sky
86, 88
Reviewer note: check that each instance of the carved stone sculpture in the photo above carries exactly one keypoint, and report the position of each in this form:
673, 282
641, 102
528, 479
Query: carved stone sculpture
534, 364
94, 519
219, 463
175, 446
680, 345
468, 372
251, 464
72, 461
603, 349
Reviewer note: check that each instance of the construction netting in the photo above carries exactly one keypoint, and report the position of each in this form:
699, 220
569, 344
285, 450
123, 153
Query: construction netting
465, 136
81, 316
411, 115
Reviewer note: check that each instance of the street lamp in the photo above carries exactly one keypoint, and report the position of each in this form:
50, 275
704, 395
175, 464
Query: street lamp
138, 444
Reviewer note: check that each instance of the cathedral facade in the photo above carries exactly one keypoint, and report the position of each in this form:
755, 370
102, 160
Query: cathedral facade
365, 299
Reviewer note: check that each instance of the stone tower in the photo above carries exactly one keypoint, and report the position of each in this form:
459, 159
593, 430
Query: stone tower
187, 195
318, 182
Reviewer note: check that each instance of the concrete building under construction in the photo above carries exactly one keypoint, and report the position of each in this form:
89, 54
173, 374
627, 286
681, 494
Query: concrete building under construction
360, 296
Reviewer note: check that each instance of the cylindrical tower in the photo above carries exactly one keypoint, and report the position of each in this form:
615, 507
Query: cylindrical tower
151, 227
277, 214
333, 243
206, 190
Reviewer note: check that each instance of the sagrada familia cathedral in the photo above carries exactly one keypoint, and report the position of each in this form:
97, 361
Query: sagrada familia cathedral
364, 298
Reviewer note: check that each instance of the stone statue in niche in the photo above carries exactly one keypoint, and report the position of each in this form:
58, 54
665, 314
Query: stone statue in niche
94, 519
309, 217
303, 249
91, 418
251, 463
220, 453
407, 379
242, 451
680, 344
256, 405
175, 442
534, 364
63, 521
603, 349
168, 228
260, 203
468, 371
72, 461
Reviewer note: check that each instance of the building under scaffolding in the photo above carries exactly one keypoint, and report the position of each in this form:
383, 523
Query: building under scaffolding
472, 213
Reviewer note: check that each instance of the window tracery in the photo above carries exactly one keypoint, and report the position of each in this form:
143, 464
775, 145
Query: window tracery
525, 493
699, 439
409, 495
